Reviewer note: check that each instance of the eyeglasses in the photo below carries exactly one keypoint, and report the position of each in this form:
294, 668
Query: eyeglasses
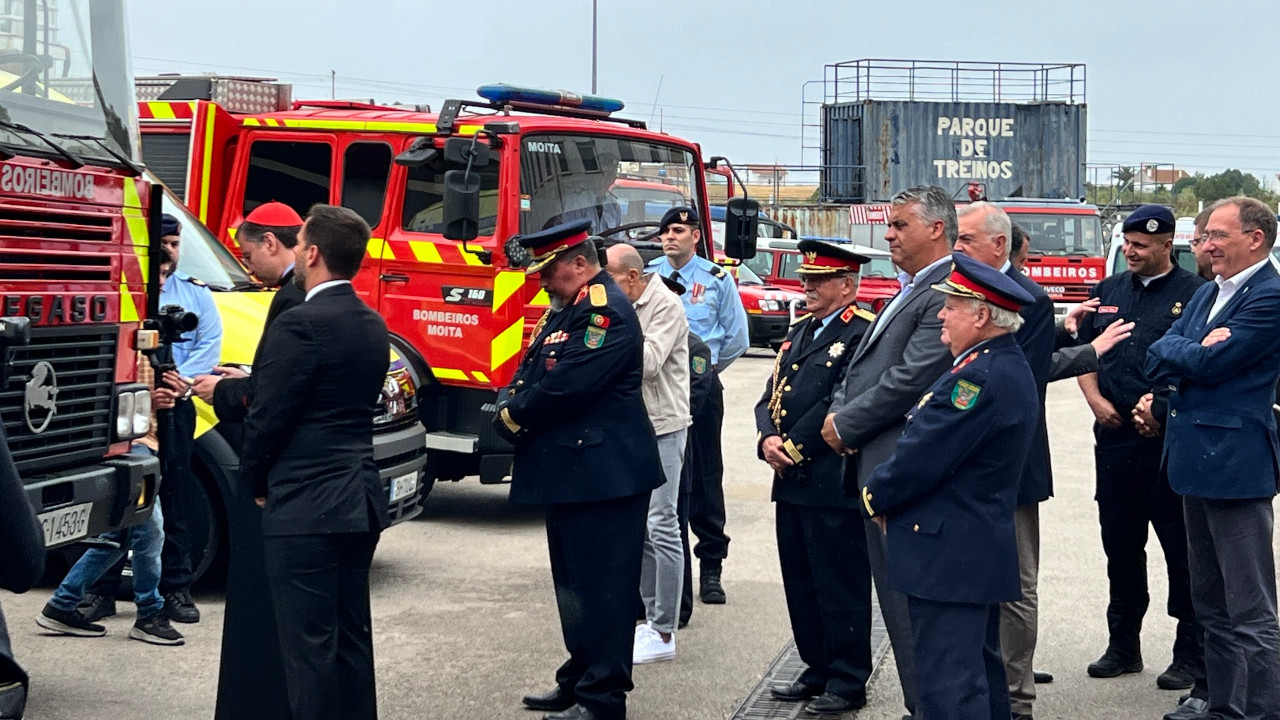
1196, 241
1218, 235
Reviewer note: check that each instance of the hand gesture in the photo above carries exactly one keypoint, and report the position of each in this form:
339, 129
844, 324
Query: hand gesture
1072, 321
1116, 333
777, 458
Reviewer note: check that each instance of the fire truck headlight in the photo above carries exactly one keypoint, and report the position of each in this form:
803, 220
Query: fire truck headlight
133, 412
769, 305
141, 412
124, 416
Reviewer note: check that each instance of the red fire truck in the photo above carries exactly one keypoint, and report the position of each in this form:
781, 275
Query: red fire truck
460, 310
1066, 255
74, 261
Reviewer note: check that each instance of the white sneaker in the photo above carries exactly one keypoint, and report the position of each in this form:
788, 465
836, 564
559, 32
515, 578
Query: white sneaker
649, 646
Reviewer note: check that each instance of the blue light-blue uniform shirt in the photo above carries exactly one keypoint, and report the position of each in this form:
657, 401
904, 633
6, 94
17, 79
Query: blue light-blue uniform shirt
202, 348
712, 305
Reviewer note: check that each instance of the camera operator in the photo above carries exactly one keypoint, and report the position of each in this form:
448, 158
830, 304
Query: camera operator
60, 614
196, 353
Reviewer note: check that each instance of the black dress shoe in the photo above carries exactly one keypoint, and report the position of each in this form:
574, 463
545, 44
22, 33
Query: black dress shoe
1176, 677
796, 691
1113, 663
829, 703
554, 701
576, 712
1043, 678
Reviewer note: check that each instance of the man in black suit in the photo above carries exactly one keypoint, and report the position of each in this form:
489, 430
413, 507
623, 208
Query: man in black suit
251, 679
308, 456
822, 546
984, 235
585, 448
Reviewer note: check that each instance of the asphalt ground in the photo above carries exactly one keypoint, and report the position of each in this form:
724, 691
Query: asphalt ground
465, 620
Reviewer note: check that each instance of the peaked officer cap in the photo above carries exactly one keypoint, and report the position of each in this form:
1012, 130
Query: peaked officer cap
972, 279
545, 245
827, 258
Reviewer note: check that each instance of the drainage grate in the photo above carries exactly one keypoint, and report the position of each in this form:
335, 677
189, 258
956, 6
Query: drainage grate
786, 668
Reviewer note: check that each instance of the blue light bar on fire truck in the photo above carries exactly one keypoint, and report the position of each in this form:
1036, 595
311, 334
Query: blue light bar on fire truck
503, 93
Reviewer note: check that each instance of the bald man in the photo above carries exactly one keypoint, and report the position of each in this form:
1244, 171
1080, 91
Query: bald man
666, 397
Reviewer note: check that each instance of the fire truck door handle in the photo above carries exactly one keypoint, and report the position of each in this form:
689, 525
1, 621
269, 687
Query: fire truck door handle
394, 278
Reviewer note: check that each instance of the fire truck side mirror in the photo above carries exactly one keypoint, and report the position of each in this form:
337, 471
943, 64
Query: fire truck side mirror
420, 152
458, 151
741, 224
461, 205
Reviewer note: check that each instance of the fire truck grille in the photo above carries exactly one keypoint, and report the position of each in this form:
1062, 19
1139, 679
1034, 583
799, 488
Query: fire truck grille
54, 266
17, 223
80, 391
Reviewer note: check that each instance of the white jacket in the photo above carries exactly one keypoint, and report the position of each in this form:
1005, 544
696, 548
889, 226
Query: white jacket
666, 356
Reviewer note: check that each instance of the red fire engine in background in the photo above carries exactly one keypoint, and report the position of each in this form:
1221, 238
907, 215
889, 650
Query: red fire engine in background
74, 269
1066, 257
460, 310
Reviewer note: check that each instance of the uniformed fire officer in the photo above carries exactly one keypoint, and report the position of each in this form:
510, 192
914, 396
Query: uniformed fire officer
716, 315
585, 448
821, 541
947, 496
1132, 490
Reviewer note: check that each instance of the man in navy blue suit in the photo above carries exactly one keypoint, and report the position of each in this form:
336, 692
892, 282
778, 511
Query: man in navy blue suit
985, 230
946, 498
1220, 361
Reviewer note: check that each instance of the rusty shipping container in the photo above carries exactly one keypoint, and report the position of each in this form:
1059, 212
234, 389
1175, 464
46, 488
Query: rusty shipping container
877, 147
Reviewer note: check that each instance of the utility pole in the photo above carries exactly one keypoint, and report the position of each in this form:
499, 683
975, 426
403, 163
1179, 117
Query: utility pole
594, 16
333, 84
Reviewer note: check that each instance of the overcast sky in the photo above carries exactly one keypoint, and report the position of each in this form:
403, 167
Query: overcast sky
1183, 82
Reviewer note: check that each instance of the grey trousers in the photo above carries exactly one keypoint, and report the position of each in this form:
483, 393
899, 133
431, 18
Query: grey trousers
1233, 587
662, 570
1018, 619
897, 620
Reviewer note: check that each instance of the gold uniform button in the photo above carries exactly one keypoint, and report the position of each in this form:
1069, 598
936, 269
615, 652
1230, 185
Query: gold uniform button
786, 389
916, 528
553, 353
579, 442
1173, 413
795, 367
784, 413
828, 363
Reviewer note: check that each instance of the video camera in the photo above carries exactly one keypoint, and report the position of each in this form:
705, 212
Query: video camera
170, 323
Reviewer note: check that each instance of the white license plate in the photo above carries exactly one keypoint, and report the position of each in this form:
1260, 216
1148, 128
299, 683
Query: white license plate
402, 486
65, 525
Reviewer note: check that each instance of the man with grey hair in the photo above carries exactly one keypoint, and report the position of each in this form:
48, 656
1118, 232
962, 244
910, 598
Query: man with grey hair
1223, 458
945, 500
984, 235
666, 397
895, 362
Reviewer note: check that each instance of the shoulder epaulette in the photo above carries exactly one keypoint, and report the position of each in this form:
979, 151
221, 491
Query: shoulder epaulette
802, 318
599, 296
197, 281
717, 270
865, 314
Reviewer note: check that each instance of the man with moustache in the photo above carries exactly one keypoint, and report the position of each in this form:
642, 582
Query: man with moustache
821, 540
946, 499
584, 448
984, 236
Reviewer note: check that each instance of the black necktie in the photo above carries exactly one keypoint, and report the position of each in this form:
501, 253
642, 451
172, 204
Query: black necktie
810, 332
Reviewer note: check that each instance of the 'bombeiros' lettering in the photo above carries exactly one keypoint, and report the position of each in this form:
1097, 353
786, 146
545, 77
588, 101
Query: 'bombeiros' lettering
45, 181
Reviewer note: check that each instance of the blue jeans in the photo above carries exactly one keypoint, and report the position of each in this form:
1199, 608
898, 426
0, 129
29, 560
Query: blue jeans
147, 540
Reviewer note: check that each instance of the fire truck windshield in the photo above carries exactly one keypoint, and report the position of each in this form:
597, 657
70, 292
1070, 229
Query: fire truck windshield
1060, 234
611, 181
64, 71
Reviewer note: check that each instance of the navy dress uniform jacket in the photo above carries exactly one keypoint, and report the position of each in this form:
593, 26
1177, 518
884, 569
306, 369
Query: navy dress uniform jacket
1036, 338
808, 374
574, 408
950, 489
1220, 441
